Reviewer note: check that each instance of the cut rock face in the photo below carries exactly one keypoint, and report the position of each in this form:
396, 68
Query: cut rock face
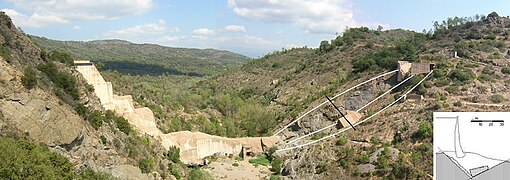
42, 120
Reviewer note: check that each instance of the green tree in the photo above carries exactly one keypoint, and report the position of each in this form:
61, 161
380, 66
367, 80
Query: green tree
173, 154
29, 79
497, 98
462, 75
379, 28
424, 130
146, 165
62, 57
505, 70
325, 47
493, 15
256, 120
276, 164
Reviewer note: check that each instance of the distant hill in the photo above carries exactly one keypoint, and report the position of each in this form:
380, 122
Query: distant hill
132, 58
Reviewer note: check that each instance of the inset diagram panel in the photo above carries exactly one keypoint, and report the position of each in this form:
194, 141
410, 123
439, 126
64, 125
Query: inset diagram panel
471, 145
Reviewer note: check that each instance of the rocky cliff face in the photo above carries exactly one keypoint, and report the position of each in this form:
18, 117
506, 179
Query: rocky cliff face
40, 116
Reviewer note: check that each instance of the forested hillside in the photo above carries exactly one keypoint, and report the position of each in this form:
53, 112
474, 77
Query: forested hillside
140, 59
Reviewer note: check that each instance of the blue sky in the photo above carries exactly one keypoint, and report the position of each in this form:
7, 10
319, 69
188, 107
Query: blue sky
249, 27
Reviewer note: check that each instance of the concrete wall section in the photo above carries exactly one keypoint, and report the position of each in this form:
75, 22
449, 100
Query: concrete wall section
195, 146
352, 116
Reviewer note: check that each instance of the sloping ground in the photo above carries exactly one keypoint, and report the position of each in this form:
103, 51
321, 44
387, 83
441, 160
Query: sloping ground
194, 146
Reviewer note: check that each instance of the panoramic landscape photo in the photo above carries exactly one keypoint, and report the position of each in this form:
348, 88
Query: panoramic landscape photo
253, 89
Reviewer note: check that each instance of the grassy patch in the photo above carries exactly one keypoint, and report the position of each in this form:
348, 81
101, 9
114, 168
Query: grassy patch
260, 160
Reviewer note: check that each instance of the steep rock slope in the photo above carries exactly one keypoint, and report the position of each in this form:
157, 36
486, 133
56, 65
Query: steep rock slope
39, 115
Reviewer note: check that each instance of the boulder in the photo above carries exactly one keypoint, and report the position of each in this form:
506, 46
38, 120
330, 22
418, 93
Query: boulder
366, 168
128, 172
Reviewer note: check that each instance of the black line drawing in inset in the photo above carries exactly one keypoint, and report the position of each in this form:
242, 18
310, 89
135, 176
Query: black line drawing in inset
465, 150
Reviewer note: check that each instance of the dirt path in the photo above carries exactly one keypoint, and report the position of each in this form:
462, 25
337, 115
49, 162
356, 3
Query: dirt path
224, 169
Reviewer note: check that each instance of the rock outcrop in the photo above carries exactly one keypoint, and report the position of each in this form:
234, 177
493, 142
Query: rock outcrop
39, 116
36, 113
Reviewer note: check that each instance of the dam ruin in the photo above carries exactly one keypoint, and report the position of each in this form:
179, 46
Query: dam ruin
194, 146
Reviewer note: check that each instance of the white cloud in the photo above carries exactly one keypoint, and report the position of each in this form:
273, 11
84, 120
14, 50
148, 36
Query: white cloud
316, 16
203, 32
234, 28
64, 11
33, 21
174, 30
166, 39
76, 27
145, 29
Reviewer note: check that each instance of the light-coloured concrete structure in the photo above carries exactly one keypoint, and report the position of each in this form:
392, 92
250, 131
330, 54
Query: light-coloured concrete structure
406, 68
194, 146
352, 116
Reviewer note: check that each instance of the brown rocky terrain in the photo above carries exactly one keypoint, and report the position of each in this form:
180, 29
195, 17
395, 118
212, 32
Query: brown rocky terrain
38, 115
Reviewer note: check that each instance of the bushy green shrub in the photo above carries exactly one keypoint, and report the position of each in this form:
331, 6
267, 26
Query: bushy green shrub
424, 130
274, 177
146, 165
29, 79
383, 159
458, 104
465, 75
341, 141
489, 70
62, 79
21, 159
438, 73
442, 82
363, 159
81, 110
5, 54
505, 70
497, 98
61, 56
89, 87
276, 165
120, 121
89, 174
95, 118
319, 169
173, 154
452, 89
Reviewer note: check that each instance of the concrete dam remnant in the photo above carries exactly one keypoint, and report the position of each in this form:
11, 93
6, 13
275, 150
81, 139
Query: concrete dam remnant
406, 68
194, 146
